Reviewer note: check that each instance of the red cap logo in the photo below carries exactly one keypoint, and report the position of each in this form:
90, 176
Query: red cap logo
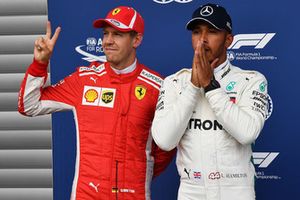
124, 19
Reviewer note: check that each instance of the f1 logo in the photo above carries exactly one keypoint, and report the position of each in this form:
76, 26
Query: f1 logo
264, 159
259, 40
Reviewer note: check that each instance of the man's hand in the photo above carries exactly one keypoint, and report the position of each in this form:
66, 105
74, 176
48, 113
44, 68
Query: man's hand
202, 70
43, 46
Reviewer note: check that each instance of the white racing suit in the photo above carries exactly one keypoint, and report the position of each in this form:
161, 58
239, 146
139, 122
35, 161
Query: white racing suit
213, 131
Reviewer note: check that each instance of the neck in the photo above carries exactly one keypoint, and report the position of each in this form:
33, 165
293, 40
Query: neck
125, 70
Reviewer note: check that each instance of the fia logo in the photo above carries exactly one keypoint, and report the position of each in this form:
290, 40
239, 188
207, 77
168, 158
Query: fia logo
259, 40
90, 49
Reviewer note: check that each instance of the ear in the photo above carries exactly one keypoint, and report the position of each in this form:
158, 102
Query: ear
229, 40
137, 40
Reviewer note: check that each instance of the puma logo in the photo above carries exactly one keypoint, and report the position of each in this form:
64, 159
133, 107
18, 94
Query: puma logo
94, 186
94, 79
187, 172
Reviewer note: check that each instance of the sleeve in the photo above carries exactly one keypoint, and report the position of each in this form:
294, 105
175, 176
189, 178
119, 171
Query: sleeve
173, 111
243, 120
162, 159
36, 99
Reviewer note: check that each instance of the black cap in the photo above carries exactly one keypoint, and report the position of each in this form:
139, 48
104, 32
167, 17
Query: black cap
213, 14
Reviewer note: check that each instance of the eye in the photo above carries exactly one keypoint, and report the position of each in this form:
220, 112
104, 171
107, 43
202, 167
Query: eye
213, 30
195, 32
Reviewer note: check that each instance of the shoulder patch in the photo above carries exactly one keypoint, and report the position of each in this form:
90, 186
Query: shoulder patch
152, 77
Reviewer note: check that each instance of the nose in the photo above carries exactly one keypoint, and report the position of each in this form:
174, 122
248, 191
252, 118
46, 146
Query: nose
203, 37
108, 38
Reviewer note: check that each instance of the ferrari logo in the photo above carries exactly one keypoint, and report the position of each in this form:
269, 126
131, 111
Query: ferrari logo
116, 11
140, 92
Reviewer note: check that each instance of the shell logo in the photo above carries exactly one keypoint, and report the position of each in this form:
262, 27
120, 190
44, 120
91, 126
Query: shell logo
91, 95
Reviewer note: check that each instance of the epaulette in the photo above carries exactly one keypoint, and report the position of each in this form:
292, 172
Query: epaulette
151, 76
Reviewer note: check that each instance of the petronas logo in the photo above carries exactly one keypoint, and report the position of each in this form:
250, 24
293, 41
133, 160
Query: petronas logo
230, 86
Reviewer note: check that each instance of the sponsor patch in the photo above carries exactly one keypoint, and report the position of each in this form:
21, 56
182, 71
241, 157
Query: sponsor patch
230, 86
262, 87
91, 95
233, 99
152, 77
107, 97
215, 175
97, 96
93, 68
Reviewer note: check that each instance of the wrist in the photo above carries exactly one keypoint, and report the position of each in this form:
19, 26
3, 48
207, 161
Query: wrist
214, 84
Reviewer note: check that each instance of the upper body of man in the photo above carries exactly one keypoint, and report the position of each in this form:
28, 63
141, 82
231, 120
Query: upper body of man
113, 105
212, 113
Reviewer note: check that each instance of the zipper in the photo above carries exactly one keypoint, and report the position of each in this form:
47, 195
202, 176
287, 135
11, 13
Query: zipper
115, 189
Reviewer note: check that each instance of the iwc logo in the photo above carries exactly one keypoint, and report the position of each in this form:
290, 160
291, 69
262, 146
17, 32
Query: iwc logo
169, 1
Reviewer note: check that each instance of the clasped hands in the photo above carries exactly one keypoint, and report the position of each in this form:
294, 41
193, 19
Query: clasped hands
202, 69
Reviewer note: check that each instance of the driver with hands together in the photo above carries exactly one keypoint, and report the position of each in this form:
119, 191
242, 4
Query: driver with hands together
212, 113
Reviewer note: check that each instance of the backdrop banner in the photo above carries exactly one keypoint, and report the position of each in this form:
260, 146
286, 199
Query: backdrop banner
266, 34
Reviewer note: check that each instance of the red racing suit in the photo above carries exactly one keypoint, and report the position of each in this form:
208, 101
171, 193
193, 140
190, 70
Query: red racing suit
116, 156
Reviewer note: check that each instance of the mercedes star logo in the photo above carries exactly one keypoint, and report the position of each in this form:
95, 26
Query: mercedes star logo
206, 11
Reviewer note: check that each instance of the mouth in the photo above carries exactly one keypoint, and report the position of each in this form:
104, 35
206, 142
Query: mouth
110, 49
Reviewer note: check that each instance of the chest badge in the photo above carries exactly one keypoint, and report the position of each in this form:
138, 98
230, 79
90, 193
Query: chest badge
91, 95
97, 96
140, 92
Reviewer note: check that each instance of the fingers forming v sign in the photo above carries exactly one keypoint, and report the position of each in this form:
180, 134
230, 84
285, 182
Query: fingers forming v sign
43, 46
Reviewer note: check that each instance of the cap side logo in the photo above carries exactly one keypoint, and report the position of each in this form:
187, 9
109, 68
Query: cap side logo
116, 11
206, 11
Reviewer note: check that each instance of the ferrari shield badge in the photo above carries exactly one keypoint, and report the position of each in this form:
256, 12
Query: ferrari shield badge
140, 92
